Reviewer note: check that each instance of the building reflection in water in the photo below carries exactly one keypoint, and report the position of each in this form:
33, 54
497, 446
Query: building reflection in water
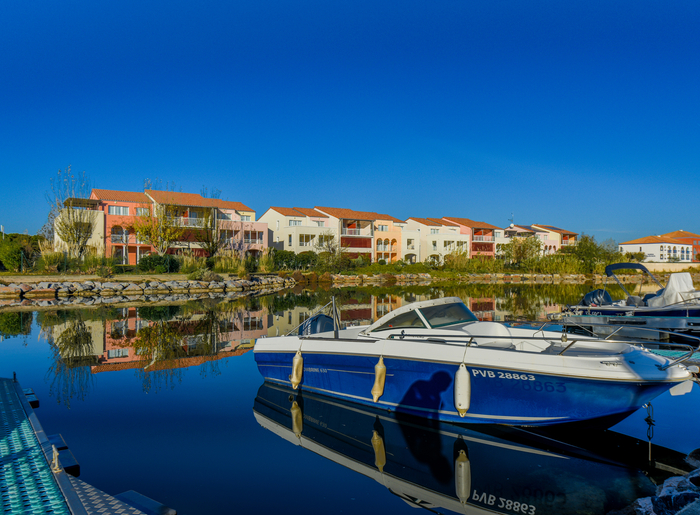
158, 342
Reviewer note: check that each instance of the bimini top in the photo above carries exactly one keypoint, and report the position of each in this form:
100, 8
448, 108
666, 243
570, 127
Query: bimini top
426, 314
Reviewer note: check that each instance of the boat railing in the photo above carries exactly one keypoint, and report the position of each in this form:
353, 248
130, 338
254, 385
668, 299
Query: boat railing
566, 338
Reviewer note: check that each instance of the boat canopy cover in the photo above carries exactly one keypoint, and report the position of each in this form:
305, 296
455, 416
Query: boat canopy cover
433, 310
624, 266
679, 289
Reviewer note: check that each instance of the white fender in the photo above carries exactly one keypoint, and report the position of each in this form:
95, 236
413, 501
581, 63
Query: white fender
379, 378
463, 477
462, 390
297, 370
379, 452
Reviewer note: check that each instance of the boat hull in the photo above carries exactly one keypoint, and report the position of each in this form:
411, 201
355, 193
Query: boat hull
497, 395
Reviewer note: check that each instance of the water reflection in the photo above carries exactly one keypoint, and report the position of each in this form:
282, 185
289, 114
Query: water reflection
466, 469
158, 342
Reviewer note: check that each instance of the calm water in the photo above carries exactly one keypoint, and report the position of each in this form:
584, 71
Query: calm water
168, 401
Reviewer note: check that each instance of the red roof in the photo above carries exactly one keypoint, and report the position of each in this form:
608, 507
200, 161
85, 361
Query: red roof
178, 198
470, 223
681, 234
425, 221
348, 214
553, 229
120, 196
308, 211
654, 239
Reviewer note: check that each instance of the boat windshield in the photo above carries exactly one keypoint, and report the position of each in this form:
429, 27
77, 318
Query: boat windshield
447, 314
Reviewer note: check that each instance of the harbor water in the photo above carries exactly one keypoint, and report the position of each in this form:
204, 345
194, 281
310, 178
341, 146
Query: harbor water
167, 400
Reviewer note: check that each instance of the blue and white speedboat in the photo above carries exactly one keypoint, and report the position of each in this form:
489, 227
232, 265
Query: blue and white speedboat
435, 359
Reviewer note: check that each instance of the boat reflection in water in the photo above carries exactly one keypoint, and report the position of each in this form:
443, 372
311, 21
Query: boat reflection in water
468, 469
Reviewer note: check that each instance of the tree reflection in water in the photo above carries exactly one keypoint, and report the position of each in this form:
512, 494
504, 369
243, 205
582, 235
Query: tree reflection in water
72, 352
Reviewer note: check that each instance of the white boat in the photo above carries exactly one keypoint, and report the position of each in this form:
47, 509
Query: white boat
435, 359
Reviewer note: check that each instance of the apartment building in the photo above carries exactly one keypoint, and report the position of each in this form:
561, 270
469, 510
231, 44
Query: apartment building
660, 249
481, 234
116, 211
556, 238
438, 238
687, 238
550, 242
297, 229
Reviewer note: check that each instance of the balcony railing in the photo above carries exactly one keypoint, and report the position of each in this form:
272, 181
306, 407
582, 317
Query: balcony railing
568, 242
183, 221
255, 240
480, 237
351, 232
126, 239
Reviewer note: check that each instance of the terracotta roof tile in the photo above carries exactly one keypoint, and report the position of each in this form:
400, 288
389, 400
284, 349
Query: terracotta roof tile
654, 239
120, 196
178, 198
553, 229
443, 222
286, 211
424, 221
308, 211
347, 214
681, 234
470, 223
390, 218
228, 204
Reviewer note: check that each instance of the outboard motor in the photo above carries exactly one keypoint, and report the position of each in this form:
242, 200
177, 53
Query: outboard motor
316, 324
596, 298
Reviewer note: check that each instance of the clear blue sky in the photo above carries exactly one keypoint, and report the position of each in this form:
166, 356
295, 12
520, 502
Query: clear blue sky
583, 115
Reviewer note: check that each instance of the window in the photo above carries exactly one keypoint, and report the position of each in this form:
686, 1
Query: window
382, 227
142, 211
409, 244
118, 353
290, 240
293, 223
305, 240
434, 231
320, 223
245, 218
278, 227
435, 245
224, 216
118, 210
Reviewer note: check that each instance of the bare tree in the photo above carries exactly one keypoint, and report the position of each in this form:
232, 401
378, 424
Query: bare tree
74, 222
209, 235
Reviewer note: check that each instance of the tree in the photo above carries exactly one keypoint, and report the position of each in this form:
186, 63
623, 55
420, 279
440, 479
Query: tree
74, 222
209, 235
159, 228
332, 256
521, 249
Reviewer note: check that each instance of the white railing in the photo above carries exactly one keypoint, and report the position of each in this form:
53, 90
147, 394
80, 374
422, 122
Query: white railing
482, 238
568, 242
252, 240
351, 232
183, 221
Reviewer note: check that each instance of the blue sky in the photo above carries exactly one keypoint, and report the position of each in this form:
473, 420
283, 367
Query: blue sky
582, 115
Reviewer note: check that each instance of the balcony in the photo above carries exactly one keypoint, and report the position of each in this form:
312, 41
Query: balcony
126, 239
566, 243
253, 240
482, 237
182, 221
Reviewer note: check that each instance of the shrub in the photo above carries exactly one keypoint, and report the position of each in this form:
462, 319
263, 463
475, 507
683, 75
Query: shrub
11, 256
202, 274
159, 264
